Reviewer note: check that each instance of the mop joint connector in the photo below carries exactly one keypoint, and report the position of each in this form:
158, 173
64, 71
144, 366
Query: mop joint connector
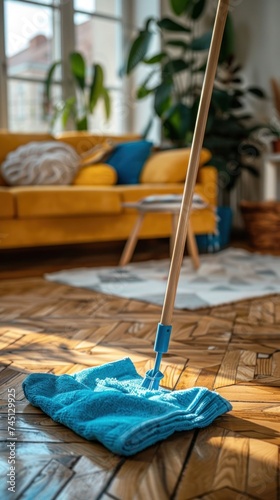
162, 338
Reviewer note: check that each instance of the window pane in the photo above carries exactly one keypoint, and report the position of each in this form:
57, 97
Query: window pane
99, 41
109, 7
25, 106
28, 38
85, 5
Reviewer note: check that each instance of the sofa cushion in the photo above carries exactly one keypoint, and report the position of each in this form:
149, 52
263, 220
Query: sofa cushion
128, 159
99, 174
41, 163
55, 201
170, 166
7, 205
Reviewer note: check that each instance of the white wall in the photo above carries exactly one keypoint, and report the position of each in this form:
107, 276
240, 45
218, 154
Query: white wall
258, 43
258, 49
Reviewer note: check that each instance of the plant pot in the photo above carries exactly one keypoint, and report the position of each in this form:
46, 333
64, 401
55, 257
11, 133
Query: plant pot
208, 243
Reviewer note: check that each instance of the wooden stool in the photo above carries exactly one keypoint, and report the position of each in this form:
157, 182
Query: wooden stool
146, 208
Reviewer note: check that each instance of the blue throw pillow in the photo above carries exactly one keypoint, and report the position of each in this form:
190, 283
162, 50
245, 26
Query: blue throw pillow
128, 159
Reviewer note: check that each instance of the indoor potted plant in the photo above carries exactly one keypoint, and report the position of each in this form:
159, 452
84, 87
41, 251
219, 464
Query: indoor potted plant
231, 137
179, 76
81, 104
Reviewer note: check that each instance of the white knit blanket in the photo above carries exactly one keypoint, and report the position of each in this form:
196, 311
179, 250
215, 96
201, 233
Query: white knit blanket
41, 163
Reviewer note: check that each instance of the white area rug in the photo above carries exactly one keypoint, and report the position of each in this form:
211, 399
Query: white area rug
224, 277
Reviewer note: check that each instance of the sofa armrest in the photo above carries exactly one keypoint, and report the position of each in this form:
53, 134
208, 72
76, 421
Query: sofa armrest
208, 178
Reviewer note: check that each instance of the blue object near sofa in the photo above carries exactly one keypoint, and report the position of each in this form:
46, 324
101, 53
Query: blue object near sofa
208, 243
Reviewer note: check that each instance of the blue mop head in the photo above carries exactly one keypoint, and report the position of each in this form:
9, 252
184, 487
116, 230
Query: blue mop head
108, 404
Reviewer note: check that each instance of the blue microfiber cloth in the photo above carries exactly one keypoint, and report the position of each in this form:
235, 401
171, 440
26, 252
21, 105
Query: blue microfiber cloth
108, 404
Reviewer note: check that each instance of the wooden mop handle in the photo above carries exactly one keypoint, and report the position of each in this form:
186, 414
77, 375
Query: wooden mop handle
198, 136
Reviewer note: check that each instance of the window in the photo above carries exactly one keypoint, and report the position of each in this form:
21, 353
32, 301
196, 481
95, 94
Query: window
30, 35
36, 33
98, 35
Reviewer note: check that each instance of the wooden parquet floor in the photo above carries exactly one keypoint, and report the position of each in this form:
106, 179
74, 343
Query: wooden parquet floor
234, 349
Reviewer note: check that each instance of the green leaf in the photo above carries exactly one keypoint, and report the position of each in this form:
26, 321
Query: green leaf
107, 102
138, 50
202, 42
194, 111
228, 42
69, 109
56, 113
179, 6
257, 92
169, 25
174, 66
78, 69
222, 99
200, 68
177, 123
143, 90
148, 127
149, 20
239, 93
163, 97
197, 9
96, 87
82, 123
57, 110
156, 58
49, 79
229, 127
217, 161
178, 43
210, 122
221, 144
236, 103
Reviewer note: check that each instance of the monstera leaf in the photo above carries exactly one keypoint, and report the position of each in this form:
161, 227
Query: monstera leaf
169, 25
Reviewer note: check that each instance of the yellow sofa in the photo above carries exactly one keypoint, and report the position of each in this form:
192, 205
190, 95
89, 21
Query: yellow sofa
33, 216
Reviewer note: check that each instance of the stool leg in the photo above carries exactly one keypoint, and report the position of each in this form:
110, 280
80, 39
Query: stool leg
192, 247
131, 242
